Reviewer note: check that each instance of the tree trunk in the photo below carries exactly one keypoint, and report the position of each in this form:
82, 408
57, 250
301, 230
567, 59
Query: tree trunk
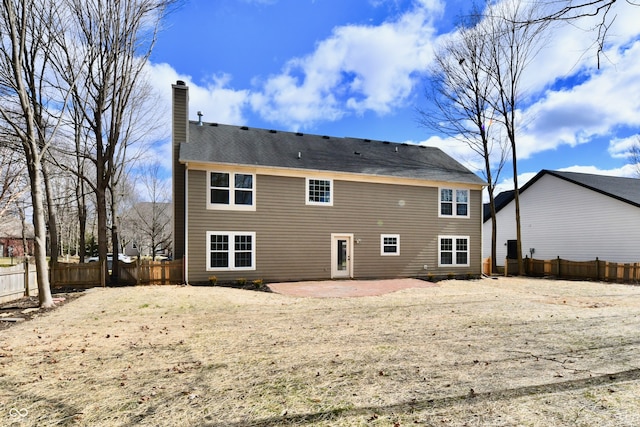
82, 225
52, 219
494, 230
42, 269
516, 200
101, 208
115, 243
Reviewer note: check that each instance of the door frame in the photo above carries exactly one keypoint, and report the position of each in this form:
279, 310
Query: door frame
339, 274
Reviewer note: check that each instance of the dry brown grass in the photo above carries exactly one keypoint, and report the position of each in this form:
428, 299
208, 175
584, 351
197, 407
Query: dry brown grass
504, 352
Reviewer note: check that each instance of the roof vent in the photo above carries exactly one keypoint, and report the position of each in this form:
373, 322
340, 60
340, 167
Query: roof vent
273, 131
299, 155
325, 137
299, 133
200, 118
386, 142
357, 153
213, 124
396, 149
244, 128
367, 140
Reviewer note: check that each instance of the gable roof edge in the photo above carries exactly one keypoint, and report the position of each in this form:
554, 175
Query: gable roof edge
558, 175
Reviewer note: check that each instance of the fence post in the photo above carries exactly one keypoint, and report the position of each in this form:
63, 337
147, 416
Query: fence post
506, 267
52, 272
558, 269
103, 278
597, 269
138, 271
162, 274
26, 278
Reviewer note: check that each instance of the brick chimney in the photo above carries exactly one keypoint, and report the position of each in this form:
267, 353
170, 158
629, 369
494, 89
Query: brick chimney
180, 134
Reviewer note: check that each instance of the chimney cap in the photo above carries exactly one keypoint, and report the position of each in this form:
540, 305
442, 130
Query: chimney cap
181, 83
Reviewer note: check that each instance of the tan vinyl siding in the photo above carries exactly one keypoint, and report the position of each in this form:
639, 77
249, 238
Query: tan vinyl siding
294, 239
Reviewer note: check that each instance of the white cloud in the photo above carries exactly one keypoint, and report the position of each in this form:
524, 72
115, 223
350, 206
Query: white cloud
360, 69
357, 69
620, 148
628, 171
217, 101
607, 99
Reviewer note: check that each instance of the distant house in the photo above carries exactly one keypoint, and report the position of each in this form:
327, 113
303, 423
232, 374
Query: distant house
16, 237
286, 206
574, 216
149, 227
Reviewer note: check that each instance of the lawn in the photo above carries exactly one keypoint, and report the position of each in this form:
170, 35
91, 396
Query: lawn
492, 352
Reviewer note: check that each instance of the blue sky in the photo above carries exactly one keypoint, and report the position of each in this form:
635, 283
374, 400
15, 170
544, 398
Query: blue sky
358, 68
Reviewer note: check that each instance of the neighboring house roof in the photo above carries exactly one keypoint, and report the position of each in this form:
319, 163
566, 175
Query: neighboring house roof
626, 190
501, 200
237, 145
12, 227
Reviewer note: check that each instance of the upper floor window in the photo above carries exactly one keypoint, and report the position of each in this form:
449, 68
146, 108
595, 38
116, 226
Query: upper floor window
231, 190
389, 244
319, 192
454, 202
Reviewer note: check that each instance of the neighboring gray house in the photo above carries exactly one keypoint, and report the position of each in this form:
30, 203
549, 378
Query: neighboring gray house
574, 216
149, 226
284, 206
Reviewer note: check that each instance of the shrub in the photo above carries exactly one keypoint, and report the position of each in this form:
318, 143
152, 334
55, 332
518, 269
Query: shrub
213, 280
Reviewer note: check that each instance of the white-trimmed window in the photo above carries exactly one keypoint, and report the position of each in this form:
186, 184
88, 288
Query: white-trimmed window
454, 202
319, 192
389, 244
229, 190
453, 251
231, 250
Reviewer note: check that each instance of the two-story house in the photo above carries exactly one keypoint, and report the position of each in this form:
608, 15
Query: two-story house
286, 206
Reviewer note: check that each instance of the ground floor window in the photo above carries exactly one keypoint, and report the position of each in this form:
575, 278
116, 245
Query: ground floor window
453, 251
230, 250
389, 244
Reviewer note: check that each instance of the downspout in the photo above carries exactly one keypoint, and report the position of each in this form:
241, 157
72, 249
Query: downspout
186, 225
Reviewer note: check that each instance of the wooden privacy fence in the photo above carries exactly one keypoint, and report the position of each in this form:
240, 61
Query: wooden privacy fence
577, 270
17, 281
20, 280
89, 275
152, 273
135, 273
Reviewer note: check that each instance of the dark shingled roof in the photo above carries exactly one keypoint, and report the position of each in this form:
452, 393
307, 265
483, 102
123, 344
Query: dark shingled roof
236, 145
626, 190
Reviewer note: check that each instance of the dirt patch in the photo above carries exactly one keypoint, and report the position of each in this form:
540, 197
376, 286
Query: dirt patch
476, 353
27, 308
347, 288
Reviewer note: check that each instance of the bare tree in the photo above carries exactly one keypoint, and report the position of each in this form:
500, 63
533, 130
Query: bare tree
30, 30
459, 95
575, 10
634, 156
118, 37
151, 218
12, 182
511, 49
